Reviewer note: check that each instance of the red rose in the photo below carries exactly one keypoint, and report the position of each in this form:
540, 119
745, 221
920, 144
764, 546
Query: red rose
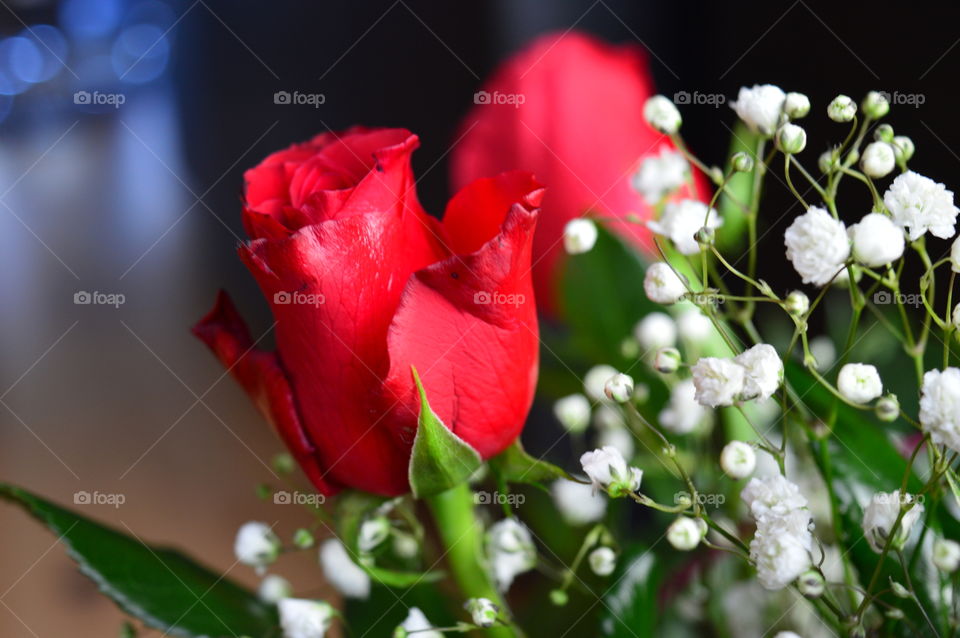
579, 128
364, 284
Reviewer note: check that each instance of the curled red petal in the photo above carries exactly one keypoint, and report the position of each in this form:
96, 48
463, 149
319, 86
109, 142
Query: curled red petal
261, 376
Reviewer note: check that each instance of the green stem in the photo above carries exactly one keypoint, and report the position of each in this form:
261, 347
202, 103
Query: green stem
462, 536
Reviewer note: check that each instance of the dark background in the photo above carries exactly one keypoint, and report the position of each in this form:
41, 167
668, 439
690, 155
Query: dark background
143, 200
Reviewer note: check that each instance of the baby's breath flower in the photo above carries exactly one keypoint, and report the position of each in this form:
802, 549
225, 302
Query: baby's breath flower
482, 611
682, 413
888, 408
878, 160
881, 514
579, 504
579, 236
742, 162
510, 550
684, 533
662, 114
818, 246
738, 460
859, 383
875, 105
940, 406
619, 388
596, 379
667, 360
955, 255
797, 303
273, 589
791, 138
656, 330
763, 371
659, 175
680, 222
342, 572
607, 468
603, 561
796, 105
302, 618
256, 545
760, 107
918, 204
694, 326
903, 148
842, 109
877, 241
573, 412
946, 555
717, 381
662, 284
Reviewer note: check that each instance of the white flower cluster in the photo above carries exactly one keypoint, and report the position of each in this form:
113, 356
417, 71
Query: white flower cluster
859, 383
918, 204
607, 469
760, 107
881, 514
753, 374
940, 406
682, 413
818, 246
660, 175
681, 221
510, 550
783, 542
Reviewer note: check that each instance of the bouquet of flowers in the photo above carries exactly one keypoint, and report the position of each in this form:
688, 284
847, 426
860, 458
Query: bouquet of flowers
714, 465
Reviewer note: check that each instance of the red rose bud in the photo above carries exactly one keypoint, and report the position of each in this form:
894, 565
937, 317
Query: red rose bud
579, 127
364, 285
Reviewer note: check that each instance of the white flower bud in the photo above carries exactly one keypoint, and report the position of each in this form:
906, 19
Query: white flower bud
738, 460
303, 538
811, 584
603, 561
579, 236
416, 624
903, 148
340, 571
797, 303
877, 241
955, 255
607, 468
883, 133
619, 388
510, 550
760, 107
878, 160
273, 589
373, 531
656, 330
667, 360
956, 316
742, 162
482, 611
662, 114
880, 516
828, 162
682, 221
791, 138
899, 590
256, 545
859, 383
796, 105
946, 555
888, 408
875, 105
717, 381
573, 412
684, 533
302, 618
662, 284
841, 109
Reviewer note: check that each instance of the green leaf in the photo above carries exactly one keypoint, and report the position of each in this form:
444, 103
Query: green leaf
631, 606
162, 587
352, 509
440, 459
514, 465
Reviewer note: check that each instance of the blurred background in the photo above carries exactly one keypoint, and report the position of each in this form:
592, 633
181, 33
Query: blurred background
125, 126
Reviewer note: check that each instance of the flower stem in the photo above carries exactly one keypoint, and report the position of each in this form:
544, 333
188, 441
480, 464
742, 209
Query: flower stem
462, 536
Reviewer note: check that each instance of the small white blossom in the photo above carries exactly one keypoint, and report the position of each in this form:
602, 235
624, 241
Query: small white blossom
946, 555
579, 236
573, 412
797, 303
302, 618
596, 380
877, 241
416, 621
780, 557
684, 533
880, 516
273, 589
760, 107
955, 255
256, 545
482, 611
682, 414
717, 381
818, 246
772, 496
341, 572
876, 105
841, 109
661, 113
859, 383
918, 204
660, 175
796, 105
579, 504
656, 330
888, 408
603, 561
619, 388
667, 360
738, 460
903, 148
607, 468
878, 160
764, 371
940, 406
791, 138
956, 316
662, 284
694, 326
680, 222
511, 551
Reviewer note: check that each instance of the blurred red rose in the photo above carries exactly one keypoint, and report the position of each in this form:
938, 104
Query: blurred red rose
363, 284
579, 128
